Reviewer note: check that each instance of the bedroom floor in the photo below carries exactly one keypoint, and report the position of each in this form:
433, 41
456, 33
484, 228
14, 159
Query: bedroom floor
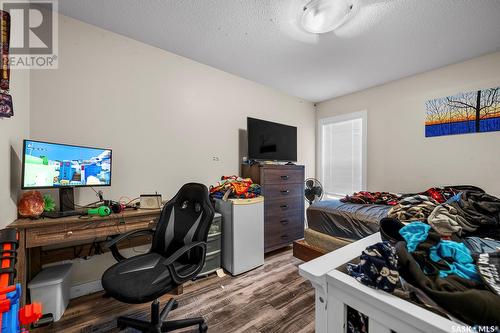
272, 298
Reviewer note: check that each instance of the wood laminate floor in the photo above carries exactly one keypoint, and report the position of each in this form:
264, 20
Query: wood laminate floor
272, 298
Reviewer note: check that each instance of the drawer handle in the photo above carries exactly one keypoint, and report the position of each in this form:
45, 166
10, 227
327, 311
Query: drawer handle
285, 192
284, 236
285, 177
284, 206
285, 222
69, 233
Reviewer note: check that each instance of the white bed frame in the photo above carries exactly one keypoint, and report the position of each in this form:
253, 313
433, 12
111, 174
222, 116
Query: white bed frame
334, 290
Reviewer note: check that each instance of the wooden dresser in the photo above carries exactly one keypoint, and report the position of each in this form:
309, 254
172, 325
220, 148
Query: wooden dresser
283, 190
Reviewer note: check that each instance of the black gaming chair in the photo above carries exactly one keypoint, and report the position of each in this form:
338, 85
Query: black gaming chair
176, 256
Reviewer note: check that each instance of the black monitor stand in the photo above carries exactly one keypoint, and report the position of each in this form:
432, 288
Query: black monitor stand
66, 199
66, 204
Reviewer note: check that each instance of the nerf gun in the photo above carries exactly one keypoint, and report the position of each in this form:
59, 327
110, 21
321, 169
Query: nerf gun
12, 316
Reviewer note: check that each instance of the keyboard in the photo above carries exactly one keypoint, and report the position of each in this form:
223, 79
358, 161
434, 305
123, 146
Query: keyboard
55, 215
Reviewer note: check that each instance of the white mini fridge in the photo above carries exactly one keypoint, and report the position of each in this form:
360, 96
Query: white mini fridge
242, 234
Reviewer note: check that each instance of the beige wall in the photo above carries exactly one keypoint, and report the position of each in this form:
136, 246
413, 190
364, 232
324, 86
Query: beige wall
12, 133
164, 116
400, 158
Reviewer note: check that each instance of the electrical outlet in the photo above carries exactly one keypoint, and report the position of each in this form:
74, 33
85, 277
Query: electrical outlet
215, 159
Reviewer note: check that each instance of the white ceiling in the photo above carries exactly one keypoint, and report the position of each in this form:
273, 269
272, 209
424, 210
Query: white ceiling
260, 39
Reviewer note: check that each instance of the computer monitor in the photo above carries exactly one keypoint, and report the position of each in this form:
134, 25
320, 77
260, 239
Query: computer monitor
54, 165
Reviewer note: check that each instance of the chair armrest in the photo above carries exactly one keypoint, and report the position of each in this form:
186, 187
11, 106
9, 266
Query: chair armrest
112, 244
133, 233
179, 278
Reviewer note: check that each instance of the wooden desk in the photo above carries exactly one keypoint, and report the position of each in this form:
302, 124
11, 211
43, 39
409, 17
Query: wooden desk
33, 234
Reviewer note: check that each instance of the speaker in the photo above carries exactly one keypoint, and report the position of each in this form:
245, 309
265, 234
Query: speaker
150, 201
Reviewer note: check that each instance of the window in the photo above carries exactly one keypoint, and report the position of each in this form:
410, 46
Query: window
342, 153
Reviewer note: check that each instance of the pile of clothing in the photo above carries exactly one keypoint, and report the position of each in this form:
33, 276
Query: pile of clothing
375, 198
468, 213
435, 194
480, 209
377, 267
459, 210
438, 257
457, 279
235, 187
416, 207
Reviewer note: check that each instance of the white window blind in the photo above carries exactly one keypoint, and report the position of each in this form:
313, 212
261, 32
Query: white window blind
342, 154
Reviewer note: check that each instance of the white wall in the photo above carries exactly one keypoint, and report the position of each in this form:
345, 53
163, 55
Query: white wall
400, 158
12, 133
163, 115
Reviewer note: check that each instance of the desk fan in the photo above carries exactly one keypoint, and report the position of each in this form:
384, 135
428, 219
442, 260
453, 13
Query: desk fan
313, 190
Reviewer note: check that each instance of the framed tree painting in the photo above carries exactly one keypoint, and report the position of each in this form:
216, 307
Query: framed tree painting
468, 112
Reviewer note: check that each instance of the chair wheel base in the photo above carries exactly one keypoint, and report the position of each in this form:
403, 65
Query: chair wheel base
159, 323
203, 328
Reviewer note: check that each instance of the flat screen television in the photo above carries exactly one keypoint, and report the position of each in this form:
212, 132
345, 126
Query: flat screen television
268, 141
54, 165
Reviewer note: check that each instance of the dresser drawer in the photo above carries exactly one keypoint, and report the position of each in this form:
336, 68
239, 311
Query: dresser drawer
82, 231
282, 205
280, 208
287, 220
45, 236
273, 192
282, 176
283, 231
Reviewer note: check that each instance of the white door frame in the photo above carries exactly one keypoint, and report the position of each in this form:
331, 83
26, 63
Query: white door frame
335, 119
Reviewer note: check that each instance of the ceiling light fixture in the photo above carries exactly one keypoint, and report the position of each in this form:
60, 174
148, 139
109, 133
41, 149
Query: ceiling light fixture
321, 16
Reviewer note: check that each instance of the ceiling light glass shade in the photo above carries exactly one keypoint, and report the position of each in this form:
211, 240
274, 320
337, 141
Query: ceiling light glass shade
321, 16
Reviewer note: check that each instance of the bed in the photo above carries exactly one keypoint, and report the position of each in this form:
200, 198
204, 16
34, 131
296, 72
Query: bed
333, 224
338, 294
345, 220
335, 291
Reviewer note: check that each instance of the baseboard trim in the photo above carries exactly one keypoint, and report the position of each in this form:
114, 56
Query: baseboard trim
85, 289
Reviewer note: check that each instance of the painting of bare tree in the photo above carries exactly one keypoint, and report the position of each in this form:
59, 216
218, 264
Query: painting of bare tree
469, 112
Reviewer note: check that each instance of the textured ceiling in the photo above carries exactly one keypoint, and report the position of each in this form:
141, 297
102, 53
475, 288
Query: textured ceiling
260, 40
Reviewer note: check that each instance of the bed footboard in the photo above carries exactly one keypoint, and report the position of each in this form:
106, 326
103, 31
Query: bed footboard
335, 291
